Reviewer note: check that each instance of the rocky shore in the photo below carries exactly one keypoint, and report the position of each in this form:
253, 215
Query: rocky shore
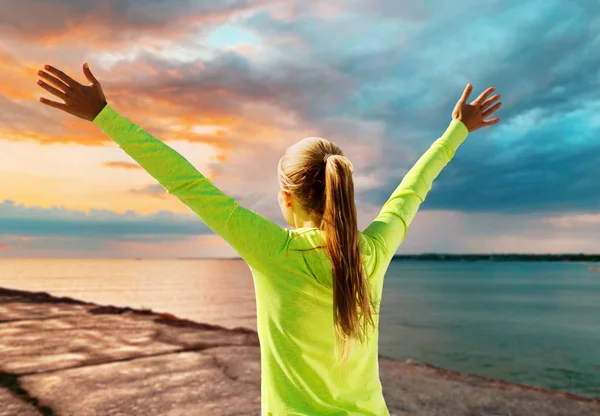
62, 356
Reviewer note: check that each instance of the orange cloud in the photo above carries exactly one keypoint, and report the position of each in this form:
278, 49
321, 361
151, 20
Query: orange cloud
125, 165
179, 100
2, 245
85, 133
17, 79
154, 190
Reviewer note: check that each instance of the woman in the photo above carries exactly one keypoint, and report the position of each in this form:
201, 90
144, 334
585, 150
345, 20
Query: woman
318, 286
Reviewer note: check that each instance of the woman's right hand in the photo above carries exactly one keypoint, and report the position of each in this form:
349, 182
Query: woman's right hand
472, 115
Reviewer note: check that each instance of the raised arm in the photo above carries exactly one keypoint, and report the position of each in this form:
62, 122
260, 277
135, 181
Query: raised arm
389, 227
256, 239
388, 230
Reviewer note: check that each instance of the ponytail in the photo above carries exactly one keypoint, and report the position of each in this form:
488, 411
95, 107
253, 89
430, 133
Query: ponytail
351, 294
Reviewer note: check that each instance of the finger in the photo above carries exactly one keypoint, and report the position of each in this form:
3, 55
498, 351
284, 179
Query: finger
466, 93
483, 96
93, 81
492, 121
89, 75
67, 79
52, 90
54, 104
54, 80
489, 101
491, 110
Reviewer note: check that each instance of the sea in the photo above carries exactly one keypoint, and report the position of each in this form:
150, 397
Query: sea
535, 323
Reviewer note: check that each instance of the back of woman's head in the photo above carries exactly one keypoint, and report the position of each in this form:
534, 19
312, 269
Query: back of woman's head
318, 174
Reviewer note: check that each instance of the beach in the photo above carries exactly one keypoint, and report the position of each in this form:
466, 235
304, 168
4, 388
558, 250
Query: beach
63, 356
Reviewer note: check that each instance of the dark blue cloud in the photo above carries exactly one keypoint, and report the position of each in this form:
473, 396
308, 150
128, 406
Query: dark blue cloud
541, 157
15, 219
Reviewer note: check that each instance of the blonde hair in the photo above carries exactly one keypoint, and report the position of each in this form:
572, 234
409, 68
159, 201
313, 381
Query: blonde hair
318, 174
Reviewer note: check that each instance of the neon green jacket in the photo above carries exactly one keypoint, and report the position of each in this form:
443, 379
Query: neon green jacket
294, 300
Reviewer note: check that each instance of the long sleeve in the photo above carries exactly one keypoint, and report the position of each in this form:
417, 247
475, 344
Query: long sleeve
255, 238
388, 229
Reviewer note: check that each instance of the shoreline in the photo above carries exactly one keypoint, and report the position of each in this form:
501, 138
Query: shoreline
48, 311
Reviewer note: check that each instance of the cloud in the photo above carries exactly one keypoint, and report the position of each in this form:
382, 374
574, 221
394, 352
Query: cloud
379, 78
154, 190
16, 219
51, 22
123, 165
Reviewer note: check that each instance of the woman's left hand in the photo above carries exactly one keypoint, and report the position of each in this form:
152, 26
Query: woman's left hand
83, 101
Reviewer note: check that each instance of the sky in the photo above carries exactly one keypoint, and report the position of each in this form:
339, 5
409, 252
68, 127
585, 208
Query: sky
230, 84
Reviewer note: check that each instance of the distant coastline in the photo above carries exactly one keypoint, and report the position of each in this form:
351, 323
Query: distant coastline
500, 257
